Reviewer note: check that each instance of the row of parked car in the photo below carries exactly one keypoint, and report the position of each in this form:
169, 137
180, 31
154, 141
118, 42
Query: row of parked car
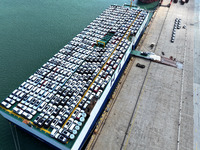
177, 25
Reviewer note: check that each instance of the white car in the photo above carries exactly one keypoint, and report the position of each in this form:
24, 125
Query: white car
17, 111
53, 132
31, 111
23, 107
27, 115
11, 101
6, 105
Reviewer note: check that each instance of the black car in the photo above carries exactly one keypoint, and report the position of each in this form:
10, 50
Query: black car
48, 122
41, 122
62, 139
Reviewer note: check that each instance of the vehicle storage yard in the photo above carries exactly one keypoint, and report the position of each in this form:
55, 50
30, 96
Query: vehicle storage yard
155, 106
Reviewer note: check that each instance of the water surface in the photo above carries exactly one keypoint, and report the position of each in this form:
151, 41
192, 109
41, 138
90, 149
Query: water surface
31, 32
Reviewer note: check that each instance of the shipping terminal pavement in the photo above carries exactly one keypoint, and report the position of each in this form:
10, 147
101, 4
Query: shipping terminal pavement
158, 107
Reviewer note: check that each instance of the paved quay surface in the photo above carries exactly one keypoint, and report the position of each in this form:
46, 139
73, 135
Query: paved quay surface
196, 84
154, 109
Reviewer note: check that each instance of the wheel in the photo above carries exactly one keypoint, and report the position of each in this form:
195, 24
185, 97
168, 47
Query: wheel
175, 1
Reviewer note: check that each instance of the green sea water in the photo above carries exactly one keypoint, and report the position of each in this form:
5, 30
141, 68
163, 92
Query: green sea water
31, 32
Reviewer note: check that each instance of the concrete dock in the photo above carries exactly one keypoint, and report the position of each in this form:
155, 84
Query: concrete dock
155, 108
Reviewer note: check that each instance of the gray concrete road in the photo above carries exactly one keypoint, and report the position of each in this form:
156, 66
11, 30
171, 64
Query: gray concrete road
154, 109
